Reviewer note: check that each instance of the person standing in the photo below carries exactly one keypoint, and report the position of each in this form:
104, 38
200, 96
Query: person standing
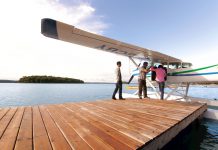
118, 82
160, 78
142, 80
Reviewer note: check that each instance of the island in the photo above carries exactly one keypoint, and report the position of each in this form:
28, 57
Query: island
48, 79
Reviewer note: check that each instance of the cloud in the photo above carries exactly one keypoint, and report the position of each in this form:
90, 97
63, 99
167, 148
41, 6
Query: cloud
25, 51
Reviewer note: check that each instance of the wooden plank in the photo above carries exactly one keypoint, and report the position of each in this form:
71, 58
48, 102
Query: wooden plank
169, 134
114, 142
153, 114
25, 136
116, 106
56, 137
119, 109
86, 115
3, 112
6, 120
125, 121
163, 106
83, 129
40, 136
129, 124
123, 128
164, 103
173, 111
8, 139
159, 122
71, 135
172, 103
167, 113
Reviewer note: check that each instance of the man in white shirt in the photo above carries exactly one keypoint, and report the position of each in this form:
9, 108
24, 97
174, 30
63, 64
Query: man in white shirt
118, 82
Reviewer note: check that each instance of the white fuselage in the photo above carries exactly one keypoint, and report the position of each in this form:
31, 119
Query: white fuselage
203, 74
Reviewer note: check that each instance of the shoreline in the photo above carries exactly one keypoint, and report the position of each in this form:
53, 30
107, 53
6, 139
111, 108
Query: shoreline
11, 81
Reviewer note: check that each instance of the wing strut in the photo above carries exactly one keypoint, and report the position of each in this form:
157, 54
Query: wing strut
137, 65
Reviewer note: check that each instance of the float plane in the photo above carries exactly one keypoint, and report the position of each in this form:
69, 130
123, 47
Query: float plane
179, 74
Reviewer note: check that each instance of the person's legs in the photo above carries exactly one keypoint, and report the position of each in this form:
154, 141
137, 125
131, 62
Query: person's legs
144, 89
120, 90
140, 88
115, 91
161, 86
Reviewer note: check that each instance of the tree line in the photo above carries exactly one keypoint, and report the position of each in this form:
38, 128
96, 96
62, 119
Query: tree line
48, 79
8, 81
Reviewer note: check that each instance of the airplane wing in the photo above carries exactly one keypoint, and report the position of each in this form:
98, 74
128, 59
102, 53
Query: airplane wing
61, 31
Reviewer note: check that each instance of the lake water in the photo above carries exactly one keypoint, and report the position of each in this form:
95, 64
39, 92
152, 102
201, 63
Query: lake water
205, 136
16, 94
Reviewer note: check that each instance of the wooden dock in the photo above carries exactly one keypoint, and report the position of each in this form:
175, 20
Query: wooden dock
99, 125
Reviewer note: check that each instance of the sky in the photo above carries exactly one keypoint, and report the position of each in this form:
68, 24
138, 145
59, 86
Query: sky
183, 29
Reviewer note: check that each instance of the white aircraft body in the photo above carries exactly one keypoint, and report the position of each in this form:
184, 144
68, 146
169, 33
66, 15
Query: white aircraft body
179, 73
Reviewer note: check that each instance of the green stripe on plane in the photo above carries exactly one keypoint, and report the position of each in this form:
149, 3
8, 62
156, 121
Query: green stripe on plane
193, 70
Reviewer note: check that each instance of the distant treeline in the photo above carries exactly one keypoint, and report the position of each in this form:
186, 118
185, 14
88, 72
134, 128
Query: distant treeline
48, 79
8, 81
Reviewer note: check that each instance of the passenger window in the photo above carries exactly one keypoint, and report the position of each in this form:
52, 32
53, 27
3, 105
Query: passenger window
174, 65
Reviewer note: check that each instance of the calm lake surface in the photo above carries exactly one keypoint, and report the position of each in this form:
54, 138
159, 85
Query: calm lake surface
17, 94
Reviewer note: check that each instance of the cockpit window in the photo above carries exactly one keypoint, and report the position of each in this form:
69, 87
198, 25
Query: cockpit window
186, 65
177, 65
174, 65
